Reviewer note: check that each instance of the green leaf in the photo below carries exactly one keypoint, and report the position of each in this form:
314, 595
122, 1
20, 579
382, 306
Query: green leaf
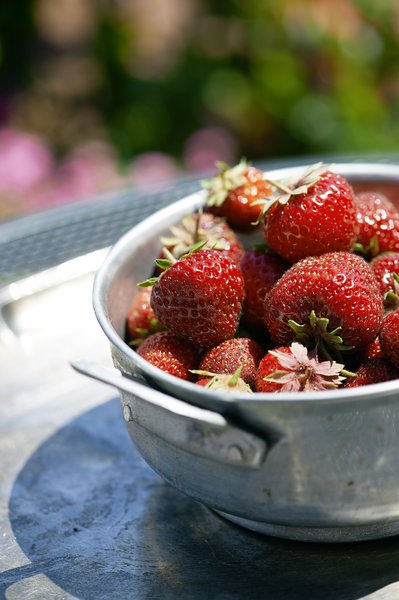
227, 179
136, 342
370, 251
302, 332
391, 299
163, 263
221, 165
148, 282
235, 377
143, 331
261, 247
195, 248
316, 332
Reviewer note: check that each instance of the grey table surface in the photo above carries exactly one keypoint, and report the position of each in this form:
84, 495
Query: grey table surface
81, 514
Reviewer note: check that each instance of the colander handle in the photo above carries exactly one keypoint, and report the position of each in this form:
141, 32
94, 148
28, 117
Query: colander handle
196, 430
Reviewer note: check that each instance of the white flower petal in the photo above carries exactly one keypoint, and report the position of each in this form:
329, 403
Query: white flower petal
300, 190
300, 352
287, 361
328, 368
283, 199
281, 377
291, 386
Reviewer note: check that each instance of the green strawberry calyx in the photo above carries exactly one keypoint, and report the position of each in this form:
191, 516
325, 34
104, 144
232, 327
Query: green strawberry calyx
369, 251
189, 232
225, 382
294, 187
228, 179
316, 332
144, 332
391, 298
165, 263
262, 247
285, 189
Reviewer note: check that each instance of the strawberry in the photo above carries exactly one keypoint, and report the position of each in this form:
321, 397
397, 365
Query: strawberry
389, 337
141, 321
314, 215
331, 300
204, 382
234, 193
373, 370
260, 270
373, 349
378, 224
200, 297
386, 270
228, 356
203, 227
293, 369
170, 353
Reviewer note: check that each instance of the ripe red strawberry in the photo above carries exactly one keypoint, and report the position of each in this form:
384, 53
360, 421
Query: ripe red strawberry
232, 354
313, 216
170, 353
268, 365
378, 224
294, 369
389, 337
373, 349
260, 270
204, 382
331, 300
200, 297
203, 227
386, 270
373, 370
234, 192
141, 321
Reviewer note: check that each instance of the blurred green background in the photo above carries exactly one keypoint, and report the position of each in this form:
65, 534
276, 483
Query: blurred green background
97, 94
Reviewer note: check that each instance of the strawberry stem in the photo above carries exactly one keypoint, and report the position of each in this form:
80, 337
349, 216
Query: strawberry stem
195, 248
322, 349
163, 263
196, 236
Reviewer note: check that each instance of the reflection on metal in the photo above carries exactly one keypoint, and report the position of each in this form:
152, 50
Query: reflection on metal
201, 432
49, 280
60, 274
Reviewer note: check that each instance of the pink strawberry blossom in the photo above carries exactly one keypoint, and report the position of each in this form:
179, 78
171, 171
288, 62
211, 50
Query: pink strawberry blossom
303, 372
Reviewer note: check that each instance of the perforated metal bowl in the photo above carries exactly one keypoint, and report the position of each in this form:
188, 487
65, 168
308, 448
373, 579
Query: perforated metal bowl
322, 466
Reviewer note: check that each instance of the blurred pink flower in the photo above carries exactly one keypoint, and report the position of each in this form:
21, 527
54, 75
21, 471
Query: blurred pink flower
25, 159
149, 171
31, 180
90, 169
208, 145
69, 182
100, 161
